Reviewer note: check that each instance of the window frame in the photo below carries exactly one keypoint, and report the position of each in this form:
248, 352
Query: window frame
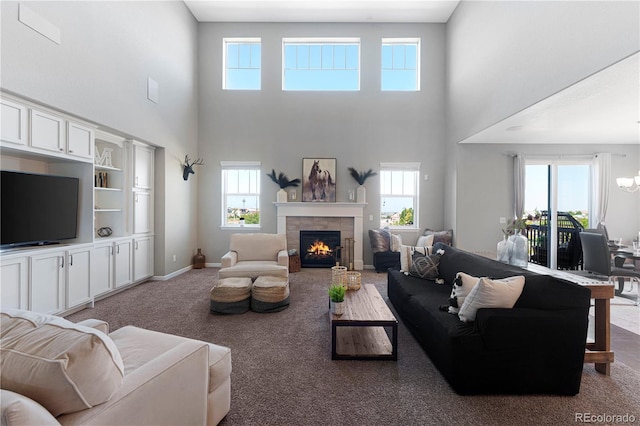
413, 167
402, 41
240, 40
322, 41
239, 165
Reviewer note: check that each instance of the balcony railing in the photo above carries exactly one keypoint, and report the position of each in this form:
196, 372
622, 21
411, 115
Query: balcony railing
569, 245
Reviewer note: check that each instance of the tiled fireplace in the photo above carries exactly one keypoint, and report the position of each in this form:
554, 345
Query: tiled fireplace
344, 217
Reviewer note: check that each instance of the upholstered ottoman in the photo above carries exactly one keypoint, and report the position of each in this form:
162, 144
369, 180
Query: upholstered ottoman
270, 294
231, 296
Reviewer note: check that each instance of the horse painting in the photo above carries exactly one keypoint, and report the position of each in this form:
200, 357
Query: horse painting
318, 180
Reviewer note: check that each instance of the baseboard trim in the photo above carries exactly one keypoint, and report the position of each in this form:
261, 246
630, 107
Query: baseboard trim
171, 275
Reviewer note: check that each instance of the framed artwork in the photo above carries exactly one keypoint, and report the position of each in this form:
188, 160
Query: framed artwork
319, 179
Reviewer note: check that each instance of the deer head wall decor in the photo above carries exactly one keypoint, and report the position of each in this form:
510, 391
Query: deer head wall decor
188, 167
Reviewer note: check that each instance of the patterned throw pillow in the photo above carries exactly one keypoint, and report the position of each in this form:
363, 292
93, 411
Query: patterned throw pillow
380, 240
462, 286
425, 267
406, 256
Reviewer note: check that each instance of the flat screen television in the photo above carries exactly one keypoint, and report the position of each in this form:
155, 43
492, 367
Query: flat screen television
37, 209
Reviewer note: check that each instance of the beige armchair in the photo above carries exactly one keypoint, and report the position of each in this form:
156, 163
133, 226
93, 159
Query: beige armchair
253, 255
57, 372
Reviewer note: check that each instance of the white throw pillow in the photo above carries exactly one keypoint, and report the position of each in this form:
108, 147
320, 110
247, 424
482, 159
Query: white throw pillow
396, 242
462, 286
406, 256
18, 410
488, 293
425, 241
63, 366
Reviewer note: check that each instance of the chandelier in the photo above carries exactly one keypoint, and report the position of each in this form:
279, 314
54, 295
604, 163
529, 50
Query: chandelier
629, 184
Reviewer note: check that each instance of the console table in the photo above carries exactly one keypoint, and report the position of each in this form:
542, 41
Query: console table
599, 351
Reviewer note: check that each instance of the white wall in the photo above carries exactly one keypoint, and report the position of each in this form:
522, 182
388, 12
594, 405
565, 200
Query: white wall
360, 129
503, 56
99, 73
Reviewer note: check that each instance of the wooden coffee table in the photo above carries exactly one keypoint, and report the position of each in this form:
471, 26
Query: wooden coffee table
360, 332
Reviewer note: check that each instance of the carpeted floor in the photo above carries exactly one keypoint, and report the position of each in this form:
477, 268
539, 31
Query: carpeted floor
283, 373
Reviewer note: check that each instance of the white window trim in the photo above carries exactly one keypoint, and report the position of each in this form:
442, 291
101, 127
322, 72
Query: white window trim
229, 165
405, 40
227, 40
321, 41
408, 167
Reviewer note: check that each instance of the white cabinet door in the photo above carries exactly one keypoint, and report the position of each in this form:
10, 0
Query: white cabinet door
141, 212
47, 282
123, 264
79, 264
13, 127
142, 167
102, 281
13, 283
79, 140
142, 258
47, 131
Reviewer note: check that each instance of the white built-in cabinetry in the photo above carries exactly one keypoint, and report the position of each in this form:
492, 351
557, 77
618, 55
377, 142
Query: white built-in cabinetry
59, 278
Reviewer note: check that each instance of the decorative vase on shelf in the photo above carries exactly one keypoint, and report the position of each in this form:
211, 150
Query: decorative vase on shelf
361, 194
519, 253
198, 260
504, 250
281, 196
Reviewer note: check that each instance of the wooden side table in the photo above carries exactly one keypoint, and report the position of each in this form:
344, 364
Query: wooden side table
294, 262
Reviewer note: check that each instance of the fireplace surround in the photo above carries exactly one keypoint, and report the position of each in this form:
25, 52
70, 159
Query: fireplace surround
346, 217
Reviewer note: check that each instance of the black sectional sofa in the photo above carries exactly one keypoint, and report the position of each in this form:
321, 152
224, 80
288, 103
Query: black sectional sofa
535, 348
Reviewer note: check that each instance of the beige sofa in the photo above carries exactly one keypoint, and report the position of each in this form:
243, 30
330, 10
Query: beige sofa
253, 255
57, 372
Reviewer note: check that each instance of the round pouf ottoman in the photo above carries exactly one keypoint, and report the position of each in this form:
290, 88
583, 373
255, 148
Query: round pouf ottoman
270, 294
231, 296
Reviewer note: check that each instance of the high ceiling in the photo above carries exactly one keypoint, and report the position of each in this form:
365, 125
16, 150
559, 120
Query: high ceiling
603, 108
433, 11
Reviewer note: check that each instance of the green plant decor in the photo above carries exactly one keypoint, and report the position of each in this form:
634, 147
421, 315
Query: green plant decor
282, 180
336, 293
514, 226
361, 177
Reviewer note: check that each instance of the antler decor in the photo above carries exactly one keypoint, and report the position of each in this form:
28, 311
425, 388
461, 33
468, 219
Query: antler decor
188, 167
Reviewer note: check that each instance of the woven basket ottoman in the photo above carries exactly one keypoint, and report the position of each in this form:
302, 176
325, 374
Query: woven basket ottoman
231, 296
270, 294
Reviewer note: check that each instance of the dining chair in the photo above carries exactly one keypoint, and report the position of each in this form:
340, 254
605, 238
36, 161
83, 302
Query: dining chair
597, 262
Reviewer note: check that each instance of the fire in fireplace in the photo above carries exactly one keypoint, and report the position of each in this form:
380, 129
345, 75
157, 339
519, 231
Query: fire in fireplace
319, 249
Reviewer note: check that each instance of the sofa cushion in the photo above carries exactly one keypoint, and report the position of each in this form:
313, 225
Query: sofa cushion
406, 255
139, 346
253, 269
380, 240
425, 266
462, 286
257, 246
18, 410
488, 293
445, 237
63, 366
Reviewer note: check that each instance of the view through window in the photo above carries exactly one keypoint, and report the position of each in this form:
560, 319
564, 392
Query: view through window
242, 63
241, 194
399, 194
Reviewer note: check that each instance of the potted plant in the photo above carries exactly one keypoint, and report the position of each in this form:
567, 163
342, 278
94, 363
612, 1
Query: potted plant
283, 181
361, 192
336, 295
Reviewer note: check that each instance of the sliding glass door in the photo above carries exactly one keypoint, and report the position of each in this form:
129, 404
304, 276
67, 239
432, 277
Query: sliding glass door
557, 202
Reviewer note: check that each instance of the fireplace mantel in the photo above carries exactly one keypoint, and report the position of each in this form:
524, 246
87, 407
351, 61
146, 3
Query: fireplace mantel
320, 209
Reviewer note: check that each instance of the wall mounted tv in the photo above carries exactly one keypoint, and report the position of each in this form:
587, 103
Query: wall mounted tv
37, 209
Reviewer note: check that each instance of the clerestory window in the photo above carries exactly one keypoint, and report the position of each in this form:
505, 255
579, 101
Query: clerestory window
241, 64
321, 64
400, 64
